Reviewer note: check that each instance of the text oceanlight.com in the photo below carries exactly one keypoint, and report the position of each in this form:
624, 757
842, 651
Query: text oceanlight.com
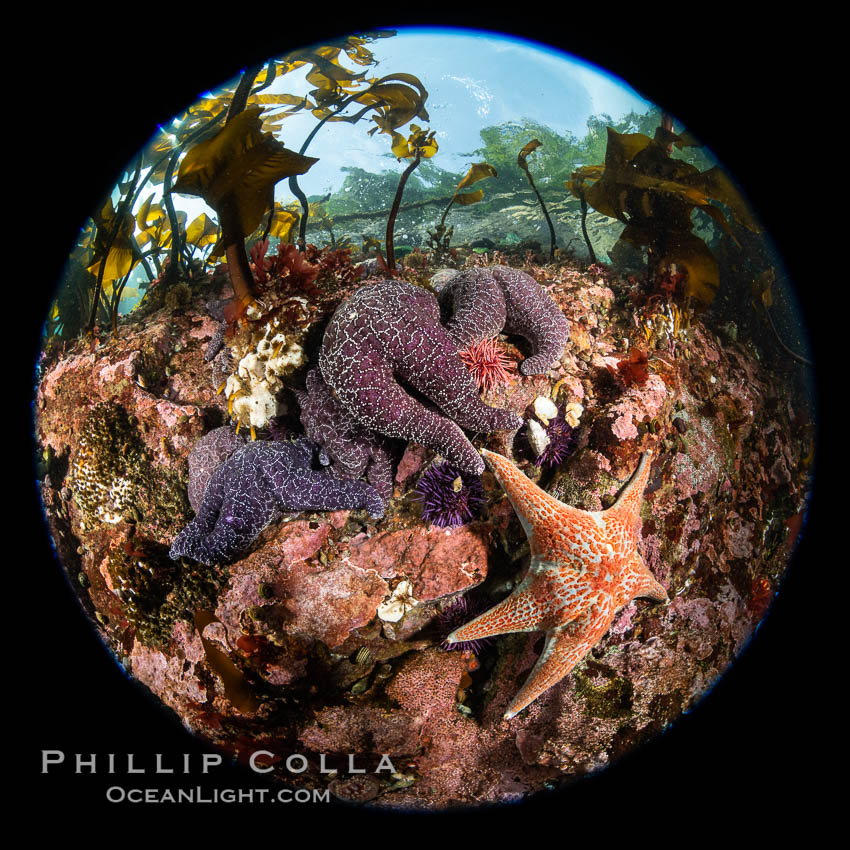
117, 794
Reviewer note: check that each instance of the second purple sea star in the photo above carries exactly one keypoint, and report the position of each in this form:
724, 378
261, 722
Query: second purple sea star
488, 300
253, 487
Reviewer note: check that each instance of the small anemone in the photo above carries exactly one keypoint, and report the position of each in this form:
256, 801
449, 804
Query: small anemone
562, 441
449, 497
457, 614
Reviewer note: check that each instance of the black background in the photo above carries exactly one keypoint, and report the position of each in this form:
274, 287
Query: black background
94, 91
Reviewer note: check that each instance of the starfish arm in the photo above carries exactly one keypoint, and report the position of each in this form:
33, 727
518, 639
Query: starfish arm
535, 507
651, 589
302, 451
478, 307
531, 313
448, 383
306, 489
637, 580
564, 648
541, 601
379, 472
382, 405
218, 546
627, 506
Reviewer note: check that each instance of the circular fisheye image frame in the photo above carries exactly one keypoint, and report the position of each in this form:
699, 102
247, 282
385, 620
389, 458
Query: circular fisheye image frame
599, 679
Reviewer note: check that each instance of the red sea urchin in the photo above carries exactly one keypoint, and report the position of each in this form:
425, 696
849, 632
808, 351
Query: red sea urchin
449, 497
488, 363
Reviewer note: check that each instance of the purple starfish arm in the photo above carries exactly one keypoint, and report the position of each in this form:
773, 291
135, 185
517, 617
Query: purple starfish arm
353, 449
253, 487
206, 456
485, 301
475, 303
389, 331
216, 342
236, 507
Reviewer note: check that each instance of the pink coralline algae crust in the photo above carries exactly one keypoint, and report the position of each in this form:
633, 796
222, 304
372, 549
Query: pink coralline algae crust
177, 679
306, 598
297, 615
412, 461
437, 561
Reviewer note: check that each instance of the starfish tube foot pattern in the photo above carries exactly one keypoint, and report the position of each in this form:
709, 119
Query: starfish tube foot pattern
585, 566
391, 331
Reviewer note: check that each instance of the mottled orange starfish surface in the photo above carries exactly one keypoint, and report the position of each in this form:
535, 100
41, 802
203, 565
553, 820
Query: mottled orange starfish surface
584, 567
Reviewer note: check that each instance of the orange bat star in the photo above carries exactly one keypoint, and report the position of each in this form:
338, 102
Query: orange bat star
584, 567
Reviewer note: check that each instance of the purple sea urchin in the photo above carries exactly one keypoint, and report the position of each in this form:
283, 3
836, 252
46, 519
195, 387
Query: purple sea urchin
461, 611
449, 497
562, 439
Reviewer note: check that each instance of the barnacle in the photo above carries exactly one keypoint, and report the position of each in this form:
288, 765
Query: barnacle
112, 477
104, 466
665, 324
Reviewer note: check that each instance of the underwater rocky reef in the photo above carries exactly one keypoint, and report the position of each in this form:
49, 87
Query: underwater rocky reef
326, 635
496, 507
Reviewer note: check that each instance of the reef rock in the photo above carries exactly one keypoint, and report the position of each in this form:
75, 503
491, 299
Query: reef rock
283, 648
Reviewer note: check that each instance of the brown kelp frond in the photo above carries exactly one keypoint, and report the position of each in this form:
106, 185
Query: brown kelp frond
240, 164
121, 255
477, 171
420, 143
654, 195
522, 162
235, 172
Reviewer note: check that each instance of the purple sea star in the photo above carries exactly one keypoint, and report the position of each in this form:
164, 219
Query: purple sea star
253, 487
351, 447
486, 301
216, 342
206, 456
391, 330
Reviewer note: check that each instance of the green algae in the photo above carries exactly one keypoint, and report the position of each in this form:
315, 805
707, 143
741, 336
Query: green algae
610, 701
